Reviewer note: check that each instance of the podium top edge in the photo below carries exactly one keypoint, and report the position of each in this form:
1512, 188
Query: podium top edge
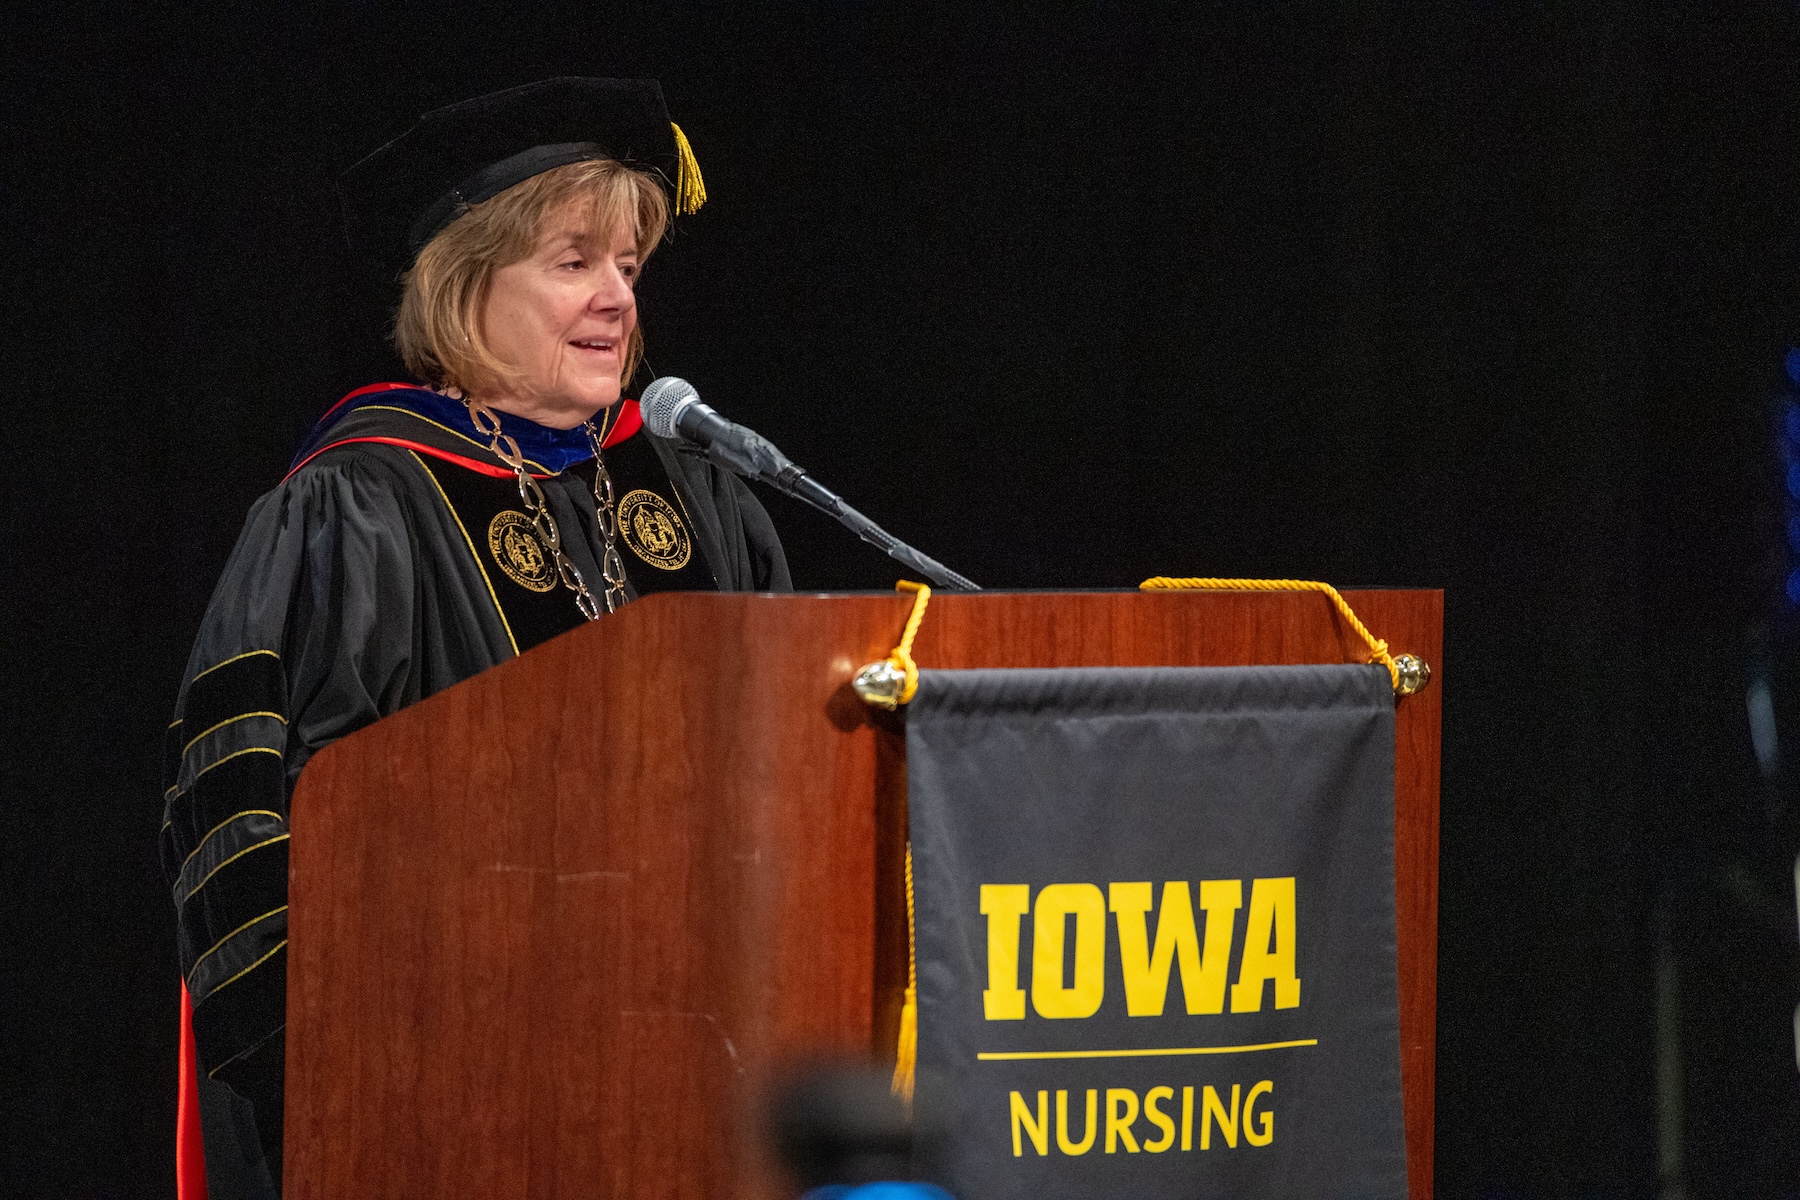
944, 593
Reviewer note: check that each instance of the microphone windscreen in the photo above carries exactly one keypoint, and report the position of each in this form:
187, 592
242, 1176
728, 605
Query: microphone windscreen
663, 401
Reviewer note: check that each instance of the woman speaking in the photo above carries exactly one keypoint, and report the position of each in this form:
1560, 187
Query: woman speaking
430, 530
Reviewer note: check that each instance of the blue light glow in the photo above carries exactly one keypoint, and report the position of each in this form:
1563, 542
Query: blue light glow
1793, 363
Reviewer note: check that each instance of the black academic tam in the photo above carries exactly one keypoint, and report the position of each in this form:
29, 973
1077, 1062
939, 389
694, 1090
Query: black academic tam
399, 197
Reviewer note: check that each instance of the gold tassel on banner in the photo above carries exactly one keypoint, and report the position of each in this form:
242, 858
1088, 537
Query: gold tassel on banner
690, 189
906, 1053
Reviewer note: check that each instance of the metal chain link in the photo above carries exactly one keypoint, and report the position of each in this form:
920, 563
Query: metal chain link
612, 567
487, 423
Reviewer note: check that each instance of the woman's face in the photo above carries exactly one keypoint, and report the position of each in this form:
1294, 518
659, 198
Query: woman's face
560, 317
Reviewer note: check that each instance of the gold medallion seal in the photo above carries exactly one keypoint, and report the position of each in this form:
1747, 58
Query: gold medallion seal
653, 529
515, 547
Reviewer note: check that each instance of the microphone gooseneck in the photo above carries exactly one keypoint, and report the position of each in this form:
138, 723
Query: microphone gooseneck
671, 408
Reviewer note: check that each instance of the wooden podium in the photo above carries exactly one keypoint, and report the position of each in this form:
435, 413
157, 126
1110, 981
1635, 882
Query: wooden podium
551, 929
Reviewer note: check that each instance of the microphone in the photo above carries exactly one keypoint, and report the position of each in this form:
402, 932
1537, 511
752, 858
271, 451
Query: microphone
671, 408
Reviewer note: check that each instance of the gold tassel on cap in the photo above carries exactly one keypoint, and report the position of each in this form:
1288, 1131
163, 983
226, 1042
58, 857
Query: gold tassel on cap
690, 189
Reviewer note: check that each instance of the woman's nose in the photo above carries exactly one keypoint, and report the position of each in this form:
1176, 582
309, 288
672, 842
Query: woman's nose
612, 292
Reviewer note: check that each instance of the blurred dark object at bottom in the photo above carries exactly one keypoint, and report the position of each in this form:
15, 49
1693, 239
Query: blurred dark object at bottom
879, 1191
845, 1136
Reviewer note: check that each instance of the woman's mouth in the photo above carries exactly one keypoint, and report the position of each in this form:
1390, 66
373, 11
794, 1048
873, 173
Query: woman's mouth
596, 345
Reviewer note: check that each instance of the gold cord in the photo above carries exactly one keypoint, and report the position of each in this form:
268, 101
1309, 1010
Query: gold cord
906, 1053
901, 656
1378, 649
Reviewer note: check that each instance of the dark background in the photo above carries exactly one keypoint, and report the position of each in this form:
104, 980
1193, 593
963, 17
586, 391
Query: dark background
1491, 297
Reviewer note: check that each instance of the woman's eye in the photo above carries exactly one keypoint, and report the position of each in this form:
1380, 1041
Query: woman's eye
574, 264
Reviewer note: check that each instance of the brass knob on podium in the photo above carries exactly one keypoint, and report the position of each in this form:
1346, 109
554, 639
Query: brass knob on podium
1411, 674
880, 684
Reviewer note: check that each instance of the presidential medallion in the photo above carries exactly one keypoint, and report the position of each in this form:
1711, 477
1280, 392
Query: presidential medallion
653, 529
515, 547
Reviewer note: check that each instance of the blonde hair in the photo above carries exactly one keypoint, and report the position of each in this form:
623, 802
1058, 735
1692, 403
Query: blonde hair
438, 328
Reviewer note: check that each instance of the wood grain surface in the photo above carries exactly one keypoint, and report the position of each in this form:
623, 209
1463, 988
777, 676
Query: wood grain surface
551, 930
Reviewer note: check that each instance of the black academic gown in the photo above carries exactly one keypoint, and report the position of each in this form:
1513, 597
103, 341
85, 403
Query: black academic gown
394, 561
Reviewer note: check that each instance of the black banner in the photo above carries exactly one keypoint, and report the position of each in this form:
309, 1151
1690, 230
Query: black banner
1155, 931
